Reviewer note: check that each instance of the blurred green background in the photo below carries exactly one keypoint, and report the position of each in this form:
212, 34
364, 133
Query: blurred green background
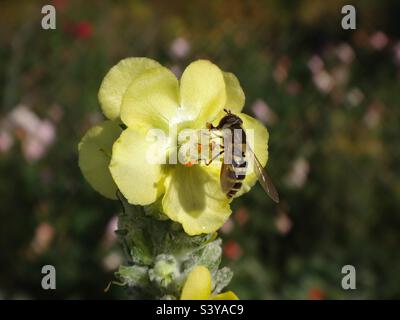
330, 98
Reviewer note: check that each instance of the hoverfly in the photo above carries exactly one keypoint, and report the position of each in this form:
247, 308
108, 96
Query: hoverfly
233, 172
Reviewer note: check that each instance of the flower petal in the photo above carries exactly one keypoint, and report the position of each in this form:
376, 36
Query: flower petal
194, 198
229, 295
197, 285
95, 155
137, 178
151, 100
234, 93
203, 93
117, 81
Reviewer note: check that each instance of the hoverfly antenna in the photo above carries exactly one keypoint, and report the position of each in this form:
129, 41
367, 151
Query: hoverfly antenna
227, 111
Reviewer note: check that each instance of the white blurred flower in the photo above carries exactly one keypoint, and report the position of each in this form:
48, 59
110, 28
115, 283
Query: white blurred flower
355, 96
112, 261
37, 135
263, 112
298, 174
323, 81
22, 117
180, 48
283, 223
41, 241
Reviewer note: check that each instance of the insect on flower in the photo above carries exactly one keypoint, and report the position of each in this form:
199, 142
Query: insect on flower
234, 166
147, 98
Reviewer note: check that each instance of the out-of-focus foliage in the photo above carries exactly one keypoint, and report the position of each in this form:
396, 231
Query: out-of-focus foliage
329, 97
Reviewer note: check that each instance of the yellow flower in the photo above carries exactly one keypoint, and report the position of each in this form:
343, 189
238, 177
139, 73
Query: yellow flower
143, 95
198, 287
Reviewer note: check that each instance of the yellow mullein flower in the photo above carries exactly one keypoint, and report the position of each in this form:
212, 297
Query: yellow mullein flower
144, 96
198, 287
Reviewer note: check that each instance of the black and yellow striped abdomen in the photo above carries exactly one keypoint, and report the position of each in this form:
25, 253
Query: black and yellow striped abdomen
237, 169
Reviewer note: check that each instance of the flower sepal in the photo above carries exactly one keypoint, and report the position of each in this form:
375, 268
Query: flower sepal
161, 255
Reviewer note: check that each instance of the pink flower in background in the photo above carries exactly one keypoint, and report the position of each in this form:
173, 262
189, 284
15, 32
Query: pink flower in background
109, 236
227, 226
41, 241
33, 150
22, 117
232, 250
242, 215
321, 78
378, 40
35, 145
180, 48
6, 141
315, 64
323, 81
263, 112
283, 223
297, 176
36, 135
345, 53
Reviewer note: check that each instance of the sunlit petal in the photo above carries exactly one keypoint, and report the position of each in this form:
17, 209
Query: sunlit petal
197, 285
203, 93
95, 155
194, 198
234, 93
117, 81
151, 100
136, 177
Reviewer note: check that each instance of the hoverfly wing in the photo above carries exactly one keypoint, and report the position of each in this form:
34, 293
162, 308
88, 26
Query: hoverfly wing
263, 177
227, 176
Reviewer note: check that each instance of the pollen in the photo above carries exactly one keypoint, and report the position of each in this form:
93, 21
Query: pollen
188, 164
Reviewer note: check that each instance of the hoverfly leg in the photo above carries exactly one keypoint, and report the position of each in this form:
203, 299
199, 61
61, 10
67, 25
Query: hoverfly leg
215, 157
